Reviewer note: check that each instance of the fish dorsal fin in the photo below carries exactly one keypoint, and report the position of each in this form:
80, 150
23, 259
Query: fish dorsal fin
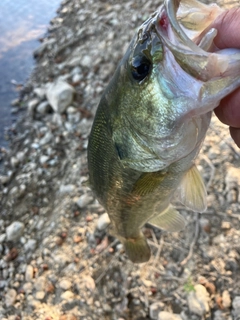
148, 182
192, 192
170, 220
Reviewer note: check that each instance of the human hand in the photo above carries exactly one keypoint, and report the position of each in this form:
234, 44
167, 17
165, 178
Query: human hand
228, 26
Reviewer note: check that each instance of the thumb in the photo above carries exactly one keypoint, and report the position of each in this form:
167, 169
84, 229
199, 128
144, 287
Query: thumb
228, 26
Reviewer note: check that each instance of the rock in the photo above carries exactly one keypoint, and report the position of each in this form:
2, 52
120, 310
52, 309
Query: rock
226, 299
163, 315
32, 104
27, 287
46, 138
60, 95
30, 245
40, 93
198, 300
43, 107
236, 306
103, 221
2, 237
65, 284
67, 295
40, 283
40, 295
66, 189
154, 309
29, 273
84, 200
76, 78
43, 159
10, 297
73, 115
14, 231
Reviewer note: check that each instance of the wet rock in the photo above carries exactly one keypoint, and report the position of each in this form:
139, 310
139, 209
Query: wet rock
164, 315
103, 221
10, 297
84, 200
59, 95
198, 300
14, 231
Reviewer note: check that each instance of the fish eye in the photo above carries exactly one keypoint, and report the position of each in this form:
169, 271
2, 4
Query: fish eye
141, 67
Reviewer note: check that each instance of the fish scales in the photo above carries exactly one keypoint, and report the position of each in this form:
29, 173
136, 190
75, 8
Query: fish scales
152, 119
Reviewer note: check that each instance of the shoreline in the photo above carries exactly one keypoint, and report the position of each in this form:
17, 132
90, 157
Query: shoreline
57, 259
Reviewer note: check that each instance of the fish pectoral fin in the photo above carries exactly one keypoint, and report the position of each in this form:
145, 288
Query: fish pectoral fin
170, 220
148, 182
192, 192
137, 249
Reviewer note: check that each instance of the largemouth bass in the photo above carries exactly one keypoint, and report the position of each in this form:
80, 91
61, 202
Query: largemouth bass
152, 120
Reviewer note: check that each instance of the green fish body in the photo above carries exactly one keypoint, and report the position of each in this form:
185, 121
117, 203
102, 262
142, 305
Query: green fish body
152, 120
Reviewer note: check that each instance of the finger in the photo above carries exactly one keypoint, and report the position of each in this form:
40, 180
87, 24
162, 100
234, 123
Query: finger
229, 109
235, 134
228, 25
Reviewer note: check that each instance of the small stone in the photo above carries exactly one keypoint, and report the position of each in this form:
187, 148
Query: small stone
14, 162
40, 93
30, 245
46, 138
27, 287
29, 273
32, 104
226, 225
40, 283
164, 315
43, 107
218, 315
15, 102
198, 300
10, 297
154, 309
40, 295
236, 306
43, 159
226, 299
66, 189
76, 78
103, 221
14, 231
84, 200
59, 95
67, 295
65, 284
2, 237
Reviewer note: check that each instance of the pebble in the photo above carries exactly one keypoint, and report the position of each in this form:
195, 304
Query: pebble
30, 245
236, 306
65, 284
32, 104
40, 295
59, 95
29, 273
155, 308
84, 200
103, 221
27, 287
67, 295
43, 107
198, 300
40, 283
43, 159
46, 138
66, 189
14, 231
10, 297
40, 93
226, 299
163, 315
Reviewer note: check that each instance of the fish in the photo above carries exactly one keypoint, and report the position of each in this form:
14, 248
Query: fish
152, 120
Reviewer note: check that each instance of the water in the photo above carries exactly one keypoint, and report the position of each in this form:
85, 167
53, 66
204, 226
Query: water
22, 22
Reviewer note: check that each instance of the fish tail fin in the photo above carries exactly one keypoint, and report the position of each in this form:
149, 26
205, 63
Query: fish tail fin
137, 249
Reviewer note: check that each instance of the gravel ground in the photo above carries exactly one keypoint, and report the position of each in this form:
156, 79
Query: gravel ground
57, 258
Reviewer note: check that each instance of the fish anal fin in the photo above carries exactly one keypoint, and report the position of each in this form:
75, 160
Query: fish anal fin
192, 192
170, 220
137, 249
